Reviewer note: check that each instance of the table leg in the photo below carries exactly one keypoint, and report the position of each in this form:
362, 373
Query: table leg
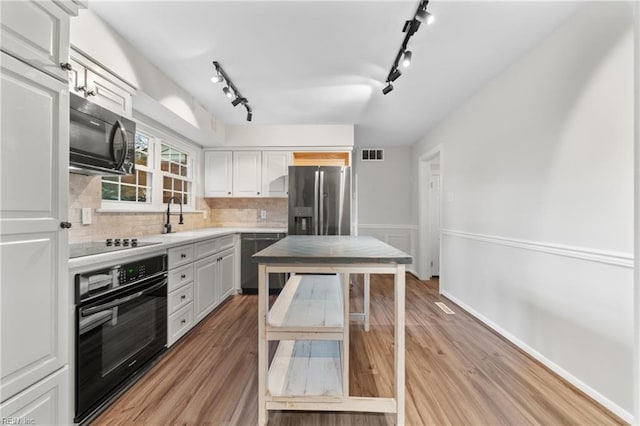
366, 302
263, 304
399, 342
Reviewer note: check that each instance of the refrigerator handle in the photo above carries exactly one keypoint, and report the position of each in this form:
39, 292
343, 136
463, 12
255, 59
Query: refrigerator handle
315, 203
321, 195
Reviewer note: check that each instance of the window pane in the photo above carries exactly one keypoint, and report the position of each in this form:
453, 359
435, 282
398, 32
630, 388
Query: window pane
185, 199
175, 168
142, 195
164, 165
166, 152
109, 191
165, 196
183, 171
167, 183
128, 193
142, 149
130, 179
142, 178
183, 159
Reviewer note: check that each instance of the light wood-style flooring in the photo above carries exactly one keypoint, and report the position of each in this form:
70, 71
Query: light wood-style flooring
458, 372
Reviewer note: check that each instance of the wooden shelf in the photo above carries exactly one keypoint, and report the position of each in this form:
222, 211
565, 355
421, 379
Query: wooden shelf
310, 369
309, 303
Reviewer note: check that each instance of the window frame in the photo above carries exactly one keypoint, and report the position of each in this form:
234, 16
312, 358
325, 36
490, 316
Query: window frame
157, 138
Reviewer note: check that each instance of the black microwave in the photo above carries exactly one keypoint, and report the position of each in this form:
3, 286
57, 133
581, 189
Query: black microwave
101, 142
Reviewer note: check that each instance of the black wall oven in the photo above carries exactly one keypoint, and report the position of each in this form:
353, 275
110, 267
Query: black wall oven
121, 327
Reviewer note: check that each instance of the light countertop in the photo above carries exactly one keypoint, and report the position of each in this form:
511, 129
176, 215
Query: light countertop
314, 249
165, 241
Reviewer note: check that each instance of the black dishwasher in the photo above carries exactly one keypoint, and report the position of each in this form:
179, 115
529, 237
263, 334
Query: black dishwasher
249, 245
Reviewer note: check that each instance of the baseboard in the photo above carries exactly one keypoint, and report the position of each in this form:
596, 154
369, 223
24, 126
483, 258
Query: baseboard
592, 393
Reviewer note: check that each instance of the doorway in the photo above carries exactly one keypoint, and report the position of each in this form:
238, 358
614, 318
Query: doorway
430, 180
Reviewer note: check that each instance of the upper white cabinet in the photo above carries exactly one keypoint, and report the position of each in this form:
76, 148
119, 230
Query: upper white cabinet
37, 32
275, 173
246, 173
218, 173
94, 83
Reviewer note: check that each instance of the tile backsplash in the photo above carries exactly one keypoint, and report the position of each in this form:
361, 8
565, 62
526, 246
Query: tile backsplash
85, 192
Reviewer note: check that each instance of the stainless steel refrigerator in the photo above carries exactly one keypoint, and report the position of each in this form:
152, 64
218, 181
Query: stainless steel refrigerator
319, 200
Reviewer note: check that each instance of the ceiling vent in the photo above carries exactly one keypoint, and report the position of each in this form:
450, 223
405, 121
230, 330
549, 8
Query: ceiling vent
372, 155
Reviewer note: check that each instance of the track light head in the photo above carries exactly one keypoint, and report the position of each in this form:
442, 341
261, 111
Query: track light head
395, 73
238, 100
387, 89
249, 115
406, 58
227, 92
423, 16
217, 77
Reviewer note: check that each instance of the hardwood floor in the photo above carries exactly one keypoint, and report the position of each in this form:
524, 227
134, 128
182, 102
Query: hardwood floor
458, 372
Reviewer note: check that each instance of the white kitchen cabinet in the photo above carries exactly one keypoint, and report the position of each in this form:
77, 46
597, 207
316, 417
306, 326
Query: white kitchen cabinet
99, 86
247, 173
205, 280
34, 271
180, 292
37, 32
275, 173
226, 274
218, 173
44, 403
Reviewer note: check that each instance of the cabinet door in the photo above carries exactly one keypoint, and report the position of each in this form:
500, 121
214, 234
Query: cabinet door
36, 32
226, 274
218, 173
275, 171
205, 282
106, 94
34, 129
247, 173
45, 403
77, 78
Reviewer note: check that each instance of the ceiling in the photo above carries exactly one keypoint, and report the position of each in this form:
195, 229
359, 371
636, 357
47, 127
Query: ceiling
325, 62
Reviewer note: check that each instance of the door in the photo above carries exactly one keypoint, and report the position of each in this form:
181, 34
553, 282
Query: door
247, 173
225, 274
334, 209
34, 263
303, 200
218, 173
275, 170
434, 224
205, 286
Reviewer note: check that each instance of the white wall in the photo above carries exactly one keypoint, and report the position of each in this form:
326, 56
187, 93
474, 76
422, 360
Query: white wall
383, 190
538, 202
162, 99
289, 135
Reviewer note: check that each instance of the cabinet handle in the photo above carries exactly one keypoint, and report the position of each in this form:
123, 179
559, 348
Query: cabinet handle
258, 193
65, 225
91, 93
183, 276
184, 296
184, 321
66, 66
229, 193
183, 256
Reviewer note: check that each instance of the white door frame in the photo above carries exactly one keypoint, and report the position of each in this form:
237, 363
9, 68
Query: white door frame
424, 175
636, 281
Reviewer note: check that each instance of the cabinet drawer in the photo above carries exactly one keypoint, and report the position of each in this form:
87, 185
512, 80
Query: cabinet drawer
180, 255
180, 276
206, 248
226, 242
180, 298
179, 323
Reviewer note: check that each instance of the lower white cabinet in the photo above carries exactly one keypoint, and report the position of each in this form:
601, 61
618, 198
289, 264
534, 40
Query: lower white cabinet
44, 403
197, 287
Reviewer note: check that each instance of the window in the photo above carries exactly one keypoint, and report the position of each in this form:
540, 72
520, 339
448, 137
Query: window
176, 174
132, 188
164, 169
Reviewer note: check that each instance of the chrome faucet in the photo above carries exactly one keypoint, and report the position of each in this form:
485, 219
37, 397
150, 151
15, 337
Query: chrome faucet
167, 225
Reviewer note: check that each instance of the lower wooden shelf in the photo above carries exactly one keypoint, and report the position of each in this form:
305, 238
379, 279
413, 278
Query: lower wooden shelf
307, 369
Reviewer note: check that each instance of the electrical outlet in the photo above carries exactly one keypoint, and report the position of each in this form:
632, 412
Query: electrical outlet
263, 214
86, 216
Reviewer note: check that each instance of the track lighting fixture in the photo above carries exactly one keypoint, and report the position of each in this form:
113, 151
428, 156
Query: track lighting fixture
230, 91
406, 58
404, 55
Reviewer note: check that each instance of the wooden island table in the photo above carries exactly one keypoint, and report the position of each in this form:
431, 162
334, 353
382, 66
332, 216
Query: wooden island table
310, 319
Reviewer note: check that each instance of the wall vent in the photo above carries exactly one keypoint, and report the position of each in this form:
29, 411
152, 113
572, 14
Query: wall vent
372, 155
444, 308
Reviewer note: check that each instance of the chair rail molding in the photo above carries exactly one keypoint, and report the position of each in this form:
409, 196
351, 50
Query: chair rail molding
625, 260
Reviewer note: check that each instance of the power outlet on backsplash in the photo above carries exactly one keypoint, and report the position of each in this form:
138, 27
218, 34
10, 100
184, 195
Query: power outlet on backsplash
263, 214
